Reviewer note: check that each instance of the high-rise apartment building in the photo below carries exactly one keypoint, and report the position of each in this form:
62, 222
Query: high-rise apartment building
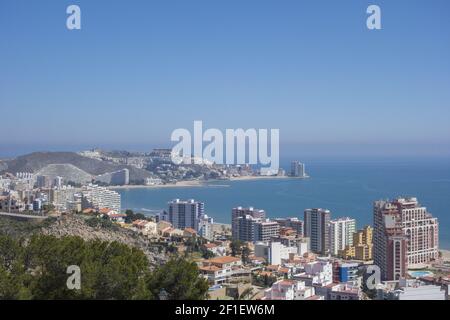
403, 229
249, 224
316, 225
98, 197
341, 234
293, 223
298, 169
185, 214
241, 225
205, 227
265, 230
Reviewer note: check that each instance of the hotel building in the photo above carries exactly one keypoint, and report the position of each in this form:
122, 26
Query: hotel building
403, 229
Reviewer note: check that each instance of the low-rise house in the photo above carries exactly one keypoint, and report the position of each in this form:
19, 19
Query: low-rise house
113, 215
162, 225
224, 262
145, 227
172, 232
215, 275
344, 291
256, 261
189, 233
288, 290
216, 249
219, 270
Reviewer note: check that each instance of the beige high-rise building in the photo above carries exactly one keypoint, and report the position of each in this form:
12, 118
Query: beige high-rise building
417, 226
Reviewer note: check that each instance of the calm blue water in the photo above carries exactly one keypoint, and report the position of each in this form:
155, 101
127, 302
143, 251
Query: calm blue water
346, 188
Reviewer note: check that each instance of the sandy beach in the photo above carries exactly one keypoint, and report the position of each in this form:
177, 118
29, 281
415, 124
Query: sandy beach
198, 183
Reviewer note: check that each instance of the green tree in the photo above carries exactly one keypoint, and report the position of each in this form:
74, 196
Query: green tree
236, 248
245, 253
180, 279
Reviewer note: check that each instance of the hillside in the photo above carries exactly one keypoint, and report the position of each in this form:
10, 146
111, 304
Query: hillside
34, 162
80, 226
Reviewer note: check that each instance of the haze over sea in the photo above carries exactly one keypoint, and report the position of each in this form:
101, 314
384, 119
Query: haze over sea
347, 188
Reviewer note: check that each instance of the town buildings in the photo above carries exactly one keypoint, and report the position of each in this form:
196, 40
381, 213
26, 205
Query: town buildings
62, 196
249, 224
97, 197
298, 169
241, 222
185, 214
341, 234
116, 178
293, 223
362, 246
316, 225
273, 252
405, 236
290, 290
411, 289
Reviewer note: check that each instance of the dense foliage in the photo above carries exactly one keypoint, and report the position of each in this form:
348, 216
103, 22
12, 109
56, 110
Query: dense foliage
37, 269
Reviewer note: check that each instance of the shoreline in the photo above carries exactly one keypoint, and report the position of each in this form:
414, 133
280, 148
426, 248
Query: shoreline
199, 183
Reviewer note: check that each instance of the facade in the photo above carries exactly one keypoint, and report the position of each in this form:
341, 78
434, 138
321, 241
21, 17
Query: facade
298, 169
265, 230
316, 224
97, 197
273, 252
11, 204
205, 227
362, 247
348, 272
341, 234
406, 226
120, 177
317, 273
294, 223
390, 243
185, 214
44, 182
241, 222
409, 290
344, 291
60, 197
288, 290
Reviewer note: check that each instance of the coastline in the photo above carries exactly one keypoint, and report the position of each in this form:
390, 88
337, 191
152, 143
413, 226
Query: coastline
198, 183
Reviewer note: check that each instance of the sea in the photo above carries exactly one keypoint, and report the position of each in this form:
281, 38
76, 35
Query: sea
346, 187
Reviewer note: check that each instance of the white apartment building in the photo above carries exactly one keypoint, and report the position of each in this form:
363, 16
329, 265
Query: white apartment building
60, 197
288, 290
341, 234
98, 197
205, 227
273, 252
316, 273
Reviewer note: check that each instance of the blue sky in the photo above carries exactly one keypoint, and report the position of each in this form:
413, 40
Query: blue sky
137, 70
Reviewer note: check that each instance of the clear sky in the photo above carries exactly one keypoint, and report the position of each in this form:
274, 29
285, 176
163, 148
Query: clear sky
137, 70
